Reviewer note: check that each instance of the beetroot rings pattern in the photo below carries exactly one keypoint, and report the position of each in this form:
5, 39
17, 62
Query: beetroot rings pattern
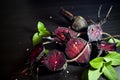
94, 32
75, 46
62, 34
55, 60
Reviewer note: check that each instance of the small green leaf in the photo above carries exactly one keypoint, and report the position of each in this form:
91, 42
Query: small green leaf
41, 26
41, 34
36, 39
44, 33
112, 40
114, 57
94, 74
97, 62
109, 71
46, 51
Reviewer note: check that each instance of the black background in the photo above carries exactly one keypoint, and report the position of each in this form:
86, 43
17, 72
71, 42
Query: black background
18, 20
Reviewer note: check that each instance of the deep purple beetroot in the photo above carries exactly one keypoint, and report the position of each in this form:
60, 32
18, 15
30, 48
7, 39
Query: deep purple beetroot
103, 45
36, 53
94, 32
75, 46
55, 60
62, 34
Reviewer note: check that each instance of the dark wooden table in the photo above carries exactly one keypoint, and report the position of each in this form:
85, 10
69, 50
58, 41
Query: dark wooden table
18, 23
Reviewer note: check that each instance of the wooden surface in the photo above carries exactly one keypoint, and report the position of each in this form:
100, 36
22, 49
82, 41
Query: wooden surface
18, 20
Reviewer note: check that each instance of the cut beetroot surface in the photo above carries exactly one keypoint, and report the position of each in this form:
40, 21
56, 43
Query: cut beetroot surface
94, 32
55, 60
74, 47
37, 51
62, 34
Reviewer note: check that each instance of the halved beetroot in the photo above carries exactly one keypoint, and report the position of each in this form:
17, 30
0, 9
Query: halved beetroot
94, 32
55, 60
36, 53
63, 34
75, 46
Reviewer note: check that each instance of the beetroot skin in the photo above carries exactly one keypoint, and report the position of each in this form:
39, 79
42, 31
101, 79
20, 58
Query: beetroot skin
74, 47
62, 34
36, 53
55, 60
103, 45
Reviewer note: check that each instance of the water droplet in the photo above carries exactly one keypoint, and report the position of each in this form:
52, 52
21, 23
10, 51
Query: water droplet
50, 17
27, 49
67, 72
16, 79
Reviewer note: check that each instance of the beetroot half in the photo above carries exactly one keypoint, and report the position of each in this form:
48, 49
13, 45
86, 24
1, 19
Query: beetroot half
75, 46
63, 34
55, 60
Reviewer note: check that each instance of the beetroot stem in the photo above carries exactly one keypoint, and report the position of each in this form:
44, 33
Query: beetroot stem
110, 37
107, 34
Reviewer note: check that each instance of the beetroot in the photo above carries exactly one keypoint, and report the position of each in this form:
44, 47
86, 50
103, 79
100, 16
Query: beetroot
36, 53
74, 47
63, 34
103, 45
55, 60
94, 32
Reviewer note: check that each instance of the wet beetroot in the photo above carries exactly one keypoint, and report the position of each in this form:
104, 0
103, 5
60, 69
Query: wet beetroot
63, 34
55, 60
74, 47
103, 45
36, 53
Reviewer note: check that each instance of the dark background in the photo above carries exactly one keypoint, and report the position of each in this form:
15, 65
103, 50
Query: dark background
18, 20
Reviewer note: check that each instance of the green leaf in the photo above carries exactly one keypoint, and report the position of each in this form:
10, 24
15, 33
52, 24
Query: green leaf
46, 51
97, 62
114, 57
44, 33
94, 74
36, 39
112, 40
41, 26
109, 71
41, 34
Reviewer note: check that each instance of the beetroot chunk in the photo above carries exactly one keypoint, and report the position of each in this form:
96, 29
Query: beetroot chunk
103, 45
55, 60
62, 34
36, 53
74, 47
